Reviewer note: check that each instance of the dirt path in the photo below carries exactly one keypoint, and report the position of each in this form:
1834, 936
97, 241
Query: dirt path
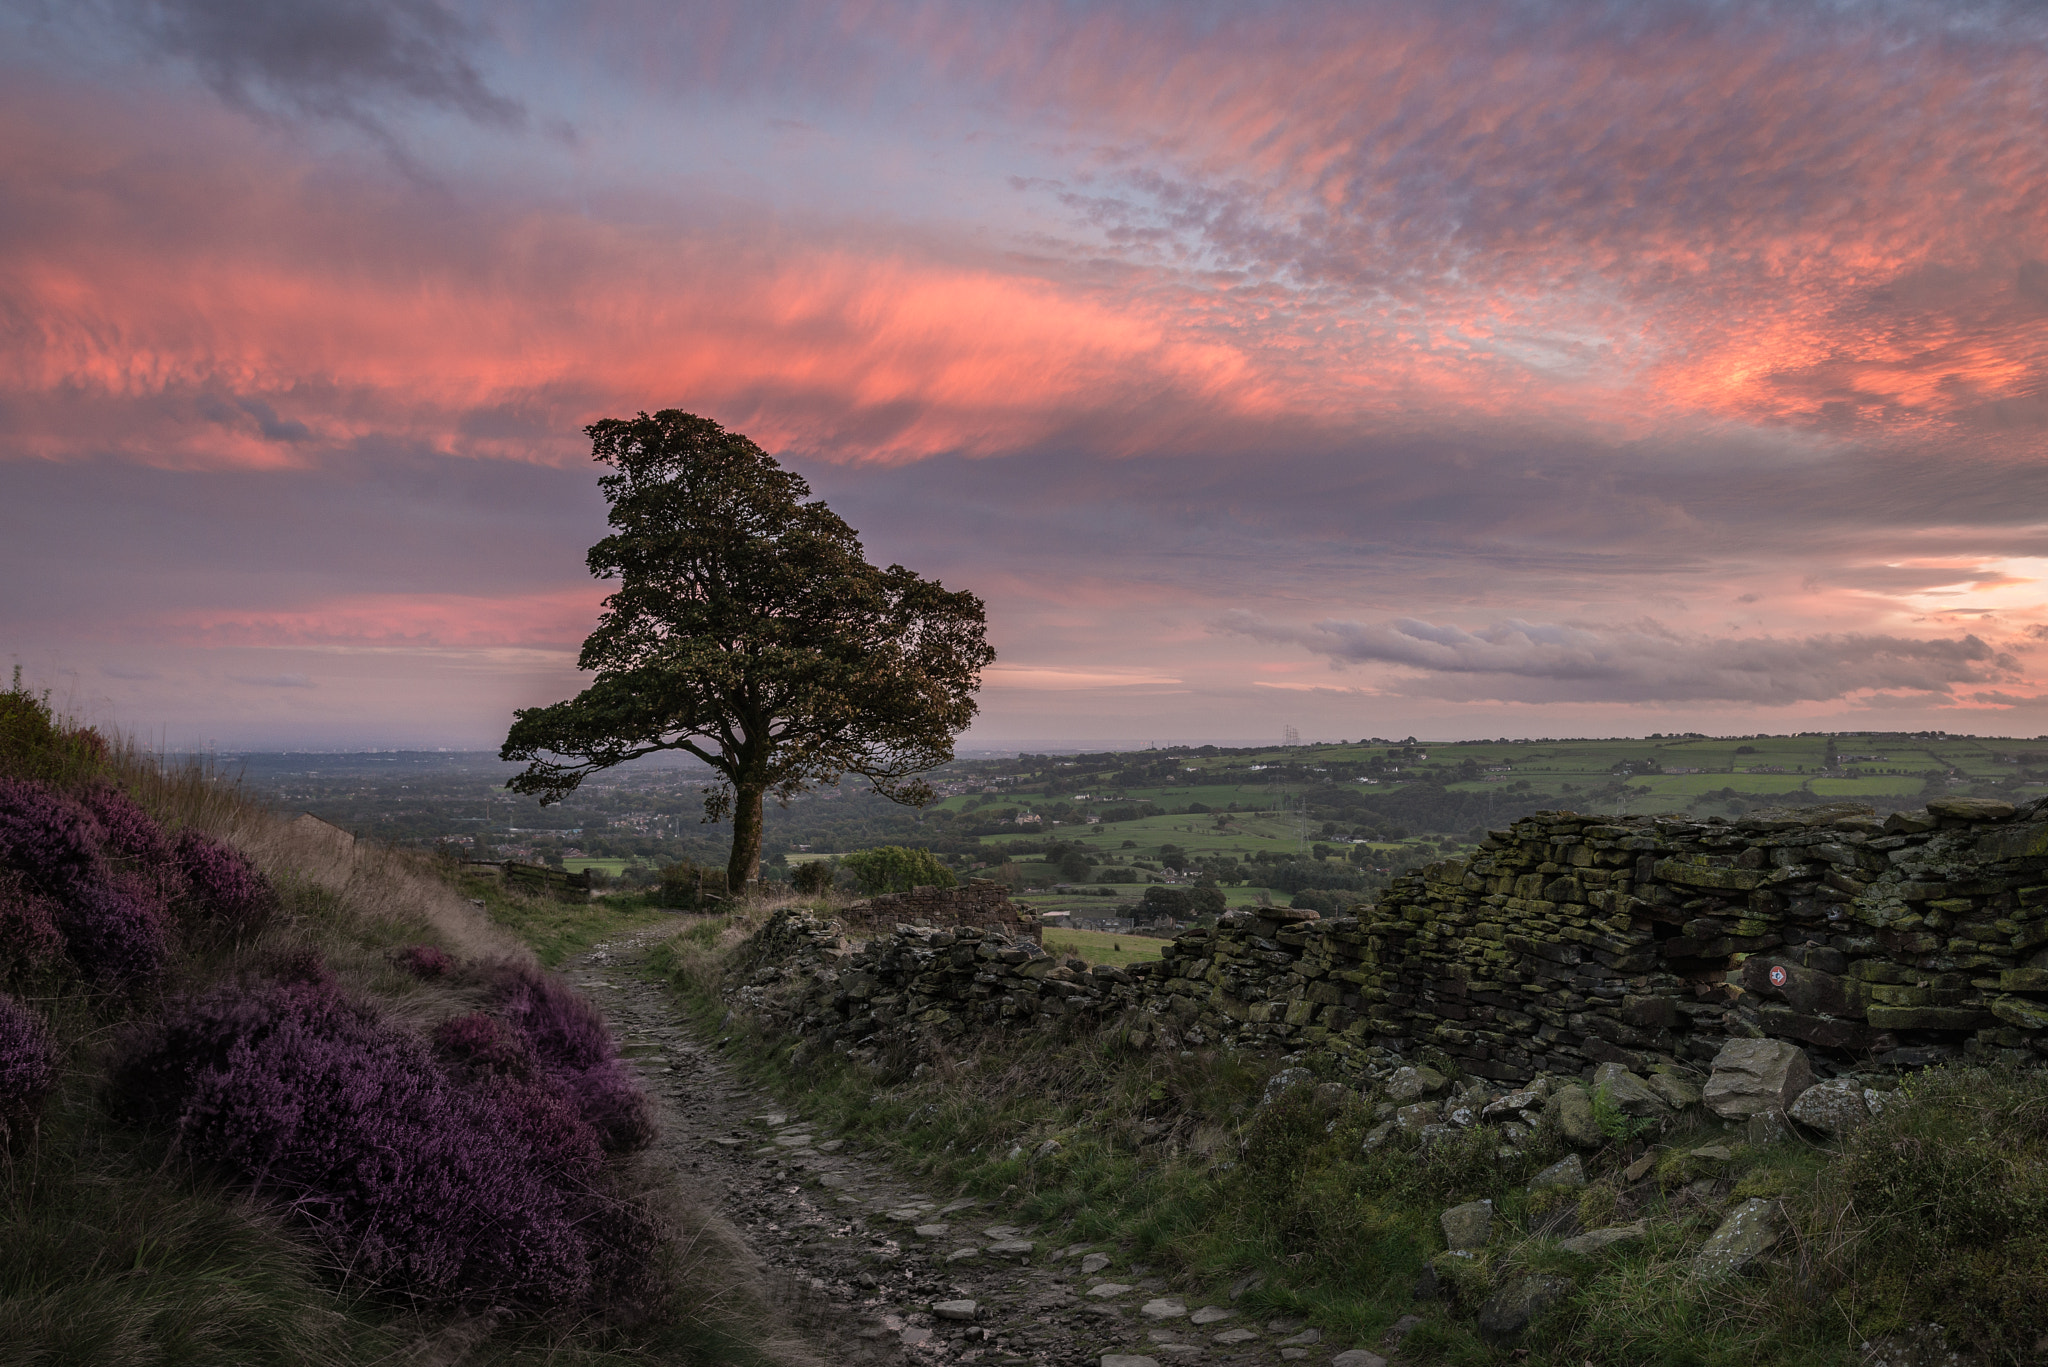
866, 1258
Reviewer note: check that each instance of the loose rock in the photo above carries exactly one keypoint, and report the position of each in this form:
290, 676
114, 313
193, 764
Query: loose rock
1749, 1230
1468, 1226
1573, 1107
1835, 1107
1752, 1076
1566, 1172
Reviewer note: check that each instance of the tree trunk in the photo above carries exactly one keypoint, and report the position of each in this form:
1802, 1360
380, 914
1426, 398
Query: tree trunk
745, 864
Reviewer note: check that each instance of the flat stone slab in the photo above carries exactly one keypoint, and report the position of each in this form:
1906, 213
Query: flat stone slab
1210, 1314
1358, 1357
1234, 1336
1128, 1360
1109, 1289
1012, 1248
961, 1255
954, 1310
1163, 1309
1750, 1228
1303, 1339
1593, 1241
1094, 1263
931, 1231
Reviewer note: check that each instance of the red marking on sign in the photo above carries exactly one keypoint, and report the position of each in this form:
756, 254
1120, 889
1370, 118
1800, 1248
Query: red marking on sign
1778, 977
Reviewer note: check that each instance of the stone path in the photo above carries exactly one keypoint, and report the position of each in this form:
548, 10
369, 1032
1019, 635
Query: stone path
875, 1270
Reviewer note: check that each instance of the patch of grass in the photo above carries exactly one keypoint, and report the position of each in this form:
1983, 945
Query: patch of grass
558, 930
1947, 1191
1101, 947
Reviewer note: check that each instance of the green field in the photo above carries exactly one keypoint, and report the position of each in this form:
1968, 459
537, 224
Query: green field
1098, 947
610, 868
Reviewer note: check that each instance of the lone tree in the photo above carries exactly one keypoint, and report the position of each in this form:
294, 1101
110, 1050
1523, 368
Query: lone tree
749, 630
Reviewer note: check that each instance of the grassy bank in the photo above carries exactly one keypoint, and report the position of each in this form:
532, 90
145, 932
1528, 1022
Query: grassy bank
117, 1247
1181, 1163
556, 930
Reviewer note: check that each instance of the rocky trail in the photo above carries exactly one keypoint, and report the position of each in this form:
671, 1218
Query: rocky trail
874, 1270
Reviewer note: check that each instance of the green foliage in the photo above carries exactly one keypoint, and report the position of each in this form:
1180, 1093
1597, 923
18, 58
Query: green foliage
1616, 1123
35, 743
748, 630
1950, 1186
556, 930
812, 878
892, 868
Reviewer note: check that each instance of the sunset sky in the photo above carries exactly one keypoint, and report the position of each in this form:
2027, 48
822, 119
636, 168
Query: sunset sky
1449, 369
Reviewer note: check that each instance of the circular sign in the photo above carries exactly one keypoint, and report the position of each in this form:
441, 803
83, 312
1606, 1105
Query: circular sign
1778, 976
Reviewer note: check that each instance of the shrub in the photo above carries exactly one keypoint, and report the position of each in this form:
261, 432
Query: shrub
568, 1037
53, 841
228, 892
1950, 1183
562, 1028
29, 941
424, 961
419, 1185
35, 745
115, 930
28, 1067
484, 1042
892, 868
812, 878
548, 1121
126, 829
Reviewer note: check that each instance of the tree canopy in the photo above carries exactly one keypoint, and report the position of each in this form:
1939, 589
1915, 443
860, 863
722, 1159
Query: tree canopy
749, 630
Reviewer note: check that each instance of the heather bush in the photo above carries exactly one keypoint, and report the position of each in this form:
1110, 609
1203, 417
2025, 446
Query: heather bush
228, 893
418, 1184
568, 1037
53, 841
424, 961
116, 930
482, 1041
610, 1101
28, 1068
29, 942
126, 830
563, 1029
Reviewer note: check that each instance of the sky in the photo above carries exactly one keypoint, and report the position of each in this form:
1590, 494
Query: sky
1462, 368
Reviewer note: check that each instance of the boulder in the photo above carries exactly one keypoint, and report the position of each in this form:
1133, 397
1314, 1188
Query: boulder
1628, 1093
1676, 1092
1752, 1076
1566, 1172
1413, 1084
1834, 1108
1573, 1107
1744, 1235
1417, 1118
1468, 1226
1509, 1311
1283, 1081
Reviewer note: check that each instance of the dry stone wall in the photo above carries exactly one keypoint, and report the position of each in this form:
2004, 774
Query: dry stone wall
980, 903
1564, 943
